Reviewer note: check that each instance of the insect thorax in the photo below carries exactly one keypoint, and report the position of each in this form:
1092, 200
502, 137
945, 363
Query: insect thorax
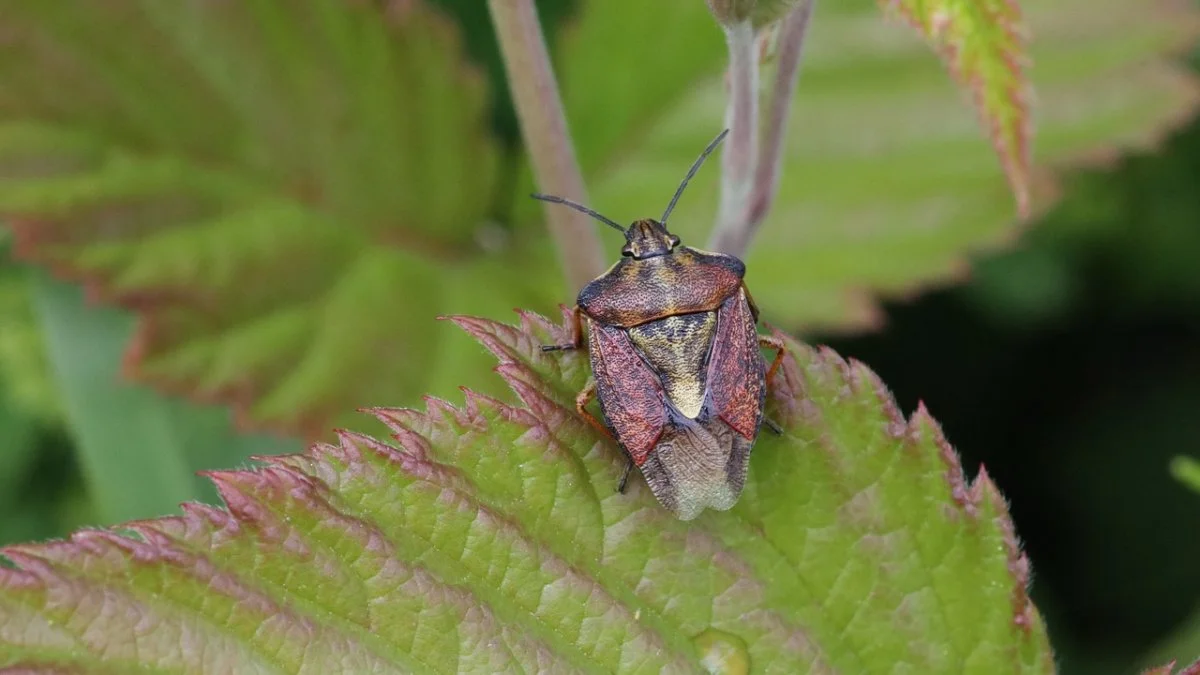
677, 348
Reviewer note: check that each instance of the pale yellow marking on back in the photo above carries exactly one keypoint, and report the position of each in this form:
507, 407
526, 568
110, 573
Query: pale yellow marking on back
676, 346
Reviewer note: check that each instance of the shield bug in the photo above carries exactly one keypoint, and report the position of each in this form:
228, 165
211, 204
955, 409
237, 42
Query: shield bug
676, 361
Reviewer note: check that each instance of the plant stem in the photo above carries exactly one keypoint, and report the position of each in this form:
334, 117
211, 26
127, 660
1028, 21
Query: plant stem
738, 157
544, 128
766, 177
735, 237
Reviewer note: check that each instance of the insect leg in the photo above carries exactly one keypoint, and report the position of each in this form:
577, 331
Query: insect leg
585, 396
576, 335
581, 401
773, 343
625, 475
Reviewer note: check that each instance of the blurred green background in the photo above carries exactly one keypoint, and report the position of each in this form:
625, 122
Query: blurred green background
1068, 363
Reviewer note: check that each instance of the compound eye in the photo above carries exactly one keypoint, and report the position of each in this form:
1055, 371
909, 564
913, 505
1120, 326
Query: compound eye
627, 251
674, 241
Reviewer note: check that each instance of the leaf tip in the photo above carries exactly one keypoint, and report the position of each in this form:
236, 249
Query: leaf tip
985, 491
1169, 667
986, 50
461, 320
351, 444
403, 424
923, 424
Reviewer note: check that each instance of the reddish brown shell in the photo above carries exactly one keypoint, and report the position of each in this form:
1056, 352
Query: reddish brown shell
630, 393
736, 371
687, 280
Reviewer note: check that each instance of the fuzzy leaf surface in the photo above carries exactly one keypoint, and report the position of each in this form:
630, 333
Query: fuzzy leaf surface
279, 190
490, 538
888, 182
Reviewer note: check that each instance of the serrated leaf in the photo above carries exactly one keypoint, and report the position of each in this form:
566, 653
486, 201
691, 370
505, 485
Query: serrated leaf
490, 538
888, 182
983, 43
137, 449
278, 189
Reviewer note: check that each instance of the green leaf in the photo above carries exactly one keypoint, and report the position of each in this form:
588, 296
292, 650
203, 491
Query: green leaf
138, 450
18, 434
983, 43
281, 191
131, 457
490, 538
887, 182
24, 373
26, 398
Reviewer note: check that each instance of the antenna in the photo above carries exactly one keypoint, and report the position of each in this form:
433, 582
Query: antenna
580, 208
692, 172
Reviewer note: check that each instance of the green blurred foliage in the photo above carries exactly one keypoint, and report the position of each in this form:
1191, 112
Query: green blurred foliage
1187, 471
1067, 365
27, 391
286, 198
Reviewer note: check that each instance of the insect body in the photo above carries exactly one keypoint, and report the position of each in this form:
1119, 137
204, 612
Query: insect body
675, 362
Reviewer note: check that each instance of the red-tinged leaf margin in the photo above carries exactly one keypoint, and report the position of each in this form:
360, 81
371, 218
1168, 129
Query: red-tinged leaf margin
166, 314
1169, 669
522, 364
302, 511
994, 70
968, 495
